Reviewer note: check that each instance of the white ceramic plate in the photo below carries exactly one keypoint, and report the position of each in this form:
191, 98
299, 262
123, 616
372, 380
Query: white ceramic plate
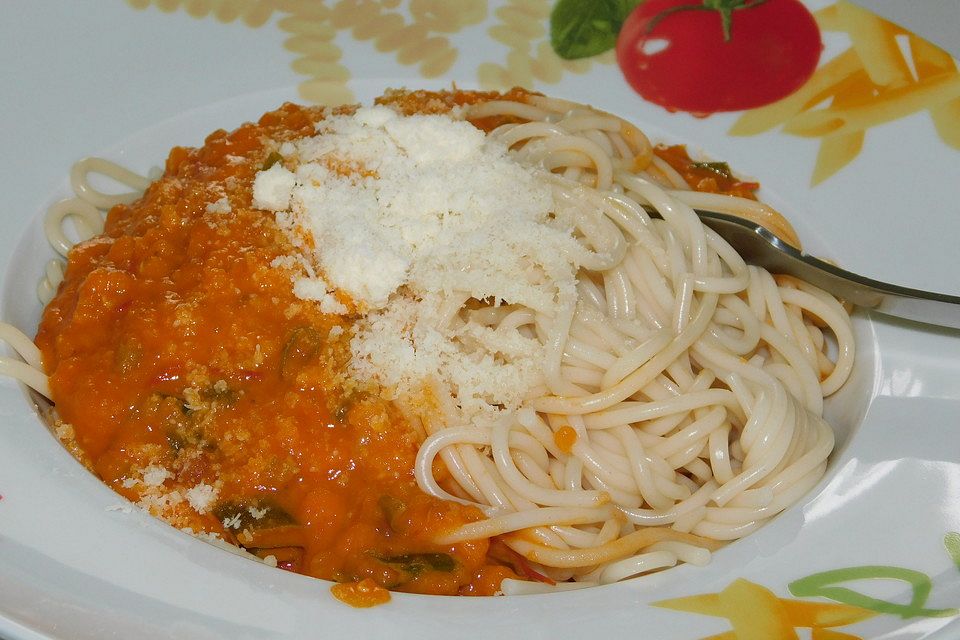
128, 82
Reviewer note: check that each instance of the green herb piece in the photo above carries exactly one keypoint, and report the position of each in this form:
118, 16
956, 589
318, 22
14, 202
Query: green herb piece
299, 350
179, 420
220, 393
243, 513
584, 28
271, 160
392, 509
720, 168
416, 563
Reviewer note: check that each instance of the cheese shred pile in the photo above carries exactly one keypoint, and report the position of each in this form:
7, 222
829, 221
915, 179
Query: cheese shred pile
404, 215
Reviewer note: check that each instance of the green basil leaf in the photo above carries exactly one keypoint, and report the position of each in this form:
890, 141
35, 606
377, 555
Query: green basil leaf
301, 346
720, 168
271, 160
417, 563
242, 512
584, 28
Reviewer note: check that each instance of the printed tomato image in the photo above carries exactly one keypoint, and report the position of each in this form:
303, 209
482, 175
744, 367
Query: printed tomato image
718, 55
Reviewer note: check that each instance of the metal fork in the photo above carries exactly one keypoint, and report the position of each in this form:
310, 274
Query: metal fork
760, 247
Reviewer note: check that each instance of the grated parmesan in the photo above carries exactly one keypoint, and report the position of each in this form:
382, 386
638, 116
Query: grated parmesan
220, 206
257, 514
201, 497
402, 214
155, 475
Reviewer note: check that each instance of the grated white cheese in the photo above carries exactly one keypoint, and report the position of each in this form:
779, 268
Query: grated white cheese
257, 514
402, 213
159, 503
201, 497
122, 508
271, 189
155, 475
318, 290
220, 206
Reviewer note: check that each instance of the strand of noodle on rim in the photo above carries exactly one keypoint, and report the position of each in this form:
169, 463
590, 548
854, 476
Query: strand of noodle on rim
86, 210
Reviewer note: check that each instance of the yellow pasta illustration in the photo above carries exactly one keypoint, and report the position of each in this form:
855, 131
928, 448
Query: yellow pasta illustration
756, 613
254, 13
416, 33
886, 74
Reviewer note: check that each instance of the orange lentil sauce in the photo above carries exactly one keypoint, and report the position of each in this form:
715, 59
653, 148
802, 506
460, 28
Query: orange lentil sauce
712, 177
362, 594
185, 364
174, 345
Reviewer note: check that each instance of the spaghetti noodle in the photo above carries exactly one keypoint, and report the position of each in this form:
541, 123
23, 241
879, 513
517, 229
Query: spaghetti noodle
677, 405
670, 372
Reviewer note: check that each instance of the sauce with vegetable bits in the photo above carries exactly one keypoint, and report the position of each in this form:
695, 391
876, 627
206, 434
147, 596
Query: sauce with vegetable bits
192, 380
711, 177
198, 385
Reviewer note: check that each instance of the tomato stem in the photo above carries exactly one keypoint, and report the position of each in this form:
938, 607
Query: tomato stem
724, 7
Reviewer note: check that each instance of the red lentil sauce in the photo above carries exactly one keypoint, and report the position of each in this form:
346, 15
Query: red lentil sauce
172, 343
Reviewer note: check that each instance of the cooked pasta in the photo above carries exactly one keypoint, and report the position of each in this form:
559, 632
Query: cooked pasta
676, 402
690, 383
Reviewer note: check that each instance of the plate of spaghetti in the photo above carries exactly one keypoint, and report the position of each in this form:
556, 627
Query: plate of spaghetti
412, 300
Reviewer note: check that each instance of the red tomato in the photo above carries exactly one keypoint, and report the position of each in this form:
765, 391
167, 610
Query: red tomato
674, 52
